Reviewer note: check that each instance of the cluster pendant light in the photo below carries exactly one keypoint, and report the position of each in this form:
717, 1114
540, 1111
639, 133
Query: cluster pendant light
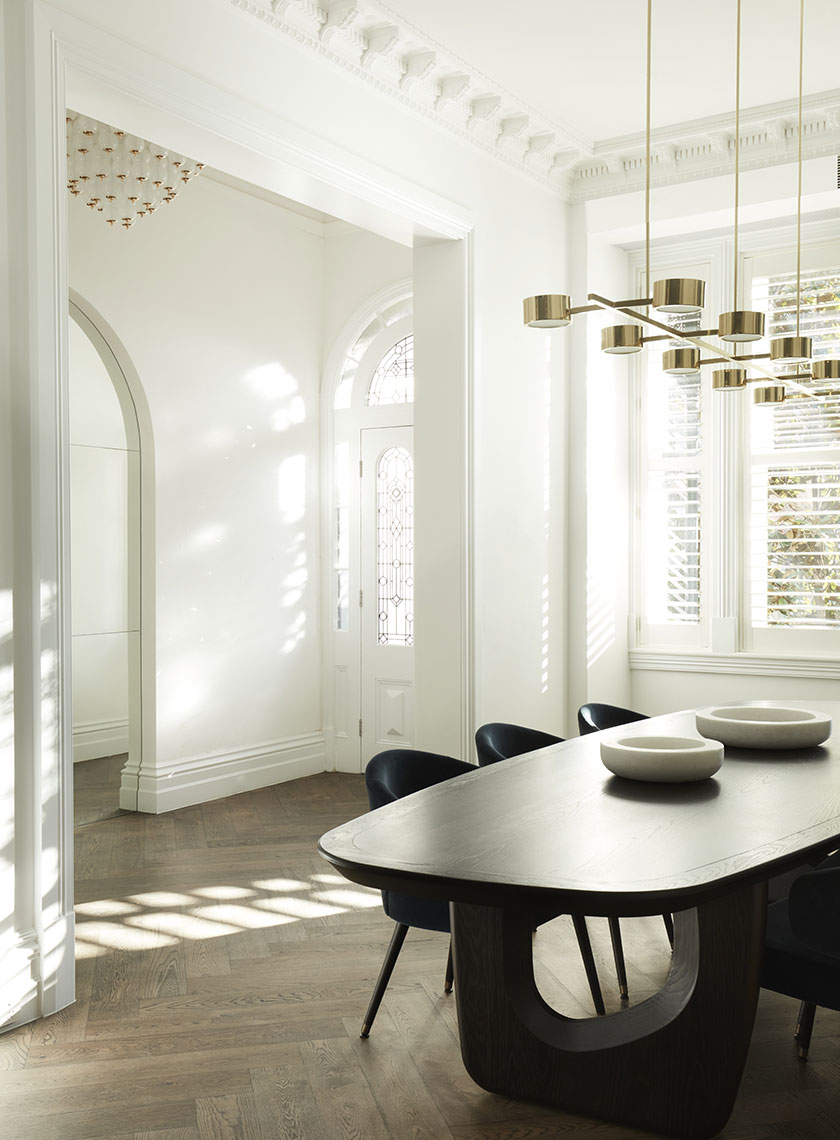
682, 295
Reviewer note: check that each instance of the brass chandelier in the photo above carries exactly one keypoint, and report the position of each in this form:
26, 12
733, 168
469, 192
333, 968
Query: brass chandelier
687, 295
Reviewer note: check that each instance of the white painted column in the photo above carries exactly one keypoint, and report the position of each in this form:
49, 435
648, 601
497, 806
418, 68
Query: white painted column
443, 499
36, 915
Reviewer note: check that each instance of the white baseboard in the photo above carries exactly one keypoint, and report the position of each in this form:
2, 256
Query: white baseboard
19, 990
182, 783
94, 738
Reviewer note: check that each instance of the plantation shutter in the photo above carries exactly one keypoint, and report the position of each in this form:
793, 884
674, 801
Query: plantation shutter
795, 469
672, 510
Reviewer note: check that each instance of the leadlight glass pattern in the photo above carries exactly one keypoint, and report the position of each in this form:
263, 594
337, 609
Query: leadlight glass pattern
395, 547
393, 380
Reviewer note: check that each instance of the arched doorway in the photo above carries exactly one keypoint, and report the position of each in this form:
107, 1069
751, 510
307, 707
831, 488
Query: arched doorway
112, 600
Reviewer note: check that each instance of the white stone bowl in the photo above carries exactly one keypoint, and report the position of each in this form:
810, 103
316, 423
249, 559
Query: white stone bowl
750, 726
665, 759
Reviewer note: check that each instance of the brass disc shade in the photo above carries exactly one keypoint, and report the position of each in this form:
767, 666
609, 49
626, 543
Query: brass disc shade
679, 295
741, 326
621, 339
790, 349
729, 379
826, 369
773, 394
681, 361
547, 310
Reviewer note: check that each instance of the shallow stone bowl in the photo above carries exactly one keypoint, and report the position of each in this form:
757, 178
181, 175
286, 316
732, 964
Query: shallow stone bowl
664, 759
750, 726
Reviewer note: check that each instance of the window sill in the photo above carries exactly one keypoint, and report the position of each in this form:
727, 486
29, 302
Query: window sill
754, 664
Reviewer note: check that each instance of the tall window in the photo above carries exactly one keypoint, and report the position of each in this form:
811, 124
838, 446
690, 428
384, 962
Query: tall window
739, 505
795, 476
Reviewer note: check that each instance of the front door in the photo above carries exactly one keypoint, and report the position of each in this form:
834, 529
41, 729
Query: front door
387, 597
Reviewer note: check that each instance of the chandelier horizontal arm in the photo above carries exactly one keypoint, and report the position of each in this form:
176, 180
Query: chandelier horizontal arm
677, 334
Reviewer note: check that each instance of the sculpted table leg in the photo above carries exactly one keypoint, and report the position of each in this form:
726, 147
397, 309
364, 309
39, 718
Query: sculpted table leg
671, 1064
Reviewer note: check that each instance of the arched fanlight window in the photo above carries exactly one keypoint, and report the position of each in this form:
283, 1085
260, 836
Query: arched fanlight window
395, 547
393, 380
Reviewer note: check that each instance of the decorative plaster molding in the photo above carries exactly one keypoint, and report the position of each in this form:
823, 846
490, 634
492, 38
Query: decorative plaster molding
749, 664
196, 779
371, 40
94, 738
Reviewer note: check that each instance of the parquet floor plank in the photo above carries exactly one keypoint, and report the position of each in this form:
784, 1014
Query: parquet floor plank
224, 969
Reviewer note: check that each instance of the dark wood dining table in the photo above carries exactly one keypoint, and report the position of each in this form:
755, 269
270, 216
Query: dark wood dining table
553, 832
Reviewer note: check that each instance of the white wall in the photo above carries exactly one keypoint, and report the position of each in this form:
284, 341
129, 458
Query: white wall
103, 475
401, 167
218, 301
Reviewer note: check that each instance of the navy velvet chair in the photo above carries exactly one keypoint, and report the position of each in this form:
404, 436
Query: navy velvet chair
388, 777
802, 946
496, 741
499, 741
595, 717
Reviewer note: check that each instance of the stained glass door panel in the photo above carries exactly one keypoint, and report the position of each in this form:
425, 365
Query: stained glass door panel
387, 601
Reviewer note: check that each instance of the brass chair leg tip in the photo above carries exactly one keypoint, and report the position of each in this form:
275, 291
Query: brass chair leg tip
447, 989
802, 1054
365, 1032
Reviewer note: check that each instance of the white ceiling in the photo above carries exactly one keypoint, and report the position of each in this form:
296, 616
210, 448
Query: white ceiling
581, 63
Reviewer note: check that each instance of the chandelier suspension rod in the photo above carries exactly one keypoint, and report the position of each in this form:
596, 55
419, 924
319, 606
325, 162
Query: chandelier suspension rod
799, 175
647, 155
737, 150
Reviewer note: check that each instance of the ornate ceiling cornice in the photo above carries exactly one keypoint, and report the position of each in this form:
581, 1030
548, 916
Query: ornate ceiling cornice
369, 40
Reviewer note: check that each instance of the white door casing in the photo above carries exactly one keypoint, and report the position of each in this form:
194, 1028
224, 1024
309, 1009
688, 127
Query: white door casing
385, 322
387, 590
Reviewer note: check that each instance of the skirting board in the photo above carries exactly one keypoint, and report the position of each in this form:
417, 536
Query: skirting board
202, 778
94, 738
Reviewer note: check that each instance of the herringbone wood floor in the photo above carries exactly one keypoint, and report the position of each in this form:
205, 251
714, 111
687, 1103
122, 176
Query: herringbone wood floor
223, 971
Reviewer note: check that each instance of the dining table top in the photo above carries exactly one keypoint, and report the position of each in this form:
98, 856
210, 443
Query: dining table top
553, 828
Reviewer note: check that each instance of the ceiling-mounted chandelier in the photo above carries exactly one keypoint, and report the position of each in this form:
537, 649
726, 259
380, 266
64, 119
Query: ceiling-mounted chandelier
119, 175
686, 296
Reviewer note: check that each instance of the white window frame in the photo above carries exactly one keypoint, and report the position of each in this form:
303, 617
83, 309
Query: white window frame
724, 641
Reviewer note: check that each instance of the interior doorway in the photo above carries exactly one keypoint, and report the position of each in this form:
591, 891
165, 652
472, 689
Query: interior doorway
371, 584
105, 541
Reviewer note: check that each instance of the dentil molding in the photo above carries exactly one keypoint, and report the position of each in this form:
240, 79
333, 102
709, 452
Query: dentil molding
372, 42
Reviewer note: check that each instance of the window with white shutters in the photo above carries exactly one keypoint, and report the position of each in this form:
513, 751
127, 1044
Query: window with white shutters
672, 501
795, 483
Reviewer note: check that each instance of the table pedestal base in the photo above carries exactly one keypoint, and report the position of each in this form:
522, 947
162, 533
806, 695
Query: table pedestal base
671, 1064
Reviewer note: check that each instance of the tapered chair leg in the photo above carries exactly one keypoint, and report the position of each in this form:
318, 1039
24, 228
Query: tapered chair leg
804, 1027
669, 928
589, 962
450, 973
618, 955
394, 947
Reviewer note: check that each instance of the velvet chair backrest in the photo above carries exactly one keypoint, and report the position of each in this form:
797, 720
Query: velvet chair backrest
594, 717
388, 777
498, 741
